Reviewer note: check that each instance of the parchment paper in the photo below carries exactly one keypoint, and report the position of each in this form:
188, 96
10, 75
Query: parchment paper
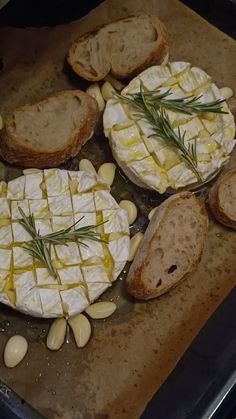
132, 353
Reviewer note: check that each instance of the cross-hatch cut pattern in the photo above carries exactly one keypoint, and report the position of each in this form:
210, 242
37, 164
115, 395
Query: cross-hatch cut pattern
148, 160
58, 199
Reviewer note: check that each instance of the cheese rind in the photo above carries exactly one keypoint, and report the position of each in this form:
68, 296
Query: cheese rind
68, 254
5, 259
82, 271
151, 161
5, 235
33, 186
74, 300
4, 208
83, 202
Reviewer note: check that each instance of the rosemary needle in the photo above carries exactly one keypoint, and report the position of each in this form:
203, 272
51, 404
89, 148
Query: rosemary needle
40, 251
40, 246
160, 123
188, 105
68, 234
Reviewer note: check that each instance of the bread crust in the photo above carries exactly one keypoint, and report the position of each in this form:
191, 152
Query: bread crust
215, 204
13, 151
158, 54
135, 283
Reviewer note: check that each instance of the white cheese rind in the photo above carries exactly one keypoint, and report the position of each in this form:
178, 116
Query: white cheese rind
43, 227
119, 249
33, 186
89, 249
104, 200
5, 235
16, 188
27, 296
62, 222
115, 221
15, 205
95, 289
117, 269
68, 254
88, 181
74, 300
19, 233
4, 208
70, 275
3, 278
149, 160
51, 302
57, 181
60, 204
95, 273
5, 259
83, 202
25, 282
85, 219
21, 258
44, 278
39, 208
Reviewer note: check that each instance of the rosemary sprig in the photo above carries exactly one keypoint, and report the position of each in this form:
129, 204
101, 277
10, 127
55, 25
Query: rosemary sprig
36, 247
41, 252
160, 123
188, 105
40, 246
68, 234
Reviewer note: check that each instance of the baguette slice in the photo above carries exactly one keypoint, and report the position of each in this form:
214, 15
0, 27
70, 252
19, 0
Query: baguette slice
171, 247
49, 132
122, 48
222, 199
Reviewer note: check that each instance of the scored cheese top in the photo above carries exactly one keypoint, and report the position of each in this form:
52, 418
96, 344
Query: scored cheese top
148, 161
57, 199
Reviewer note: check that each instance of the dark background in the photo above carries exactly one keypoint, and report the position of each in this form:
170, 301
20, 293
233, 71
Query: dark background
221, 13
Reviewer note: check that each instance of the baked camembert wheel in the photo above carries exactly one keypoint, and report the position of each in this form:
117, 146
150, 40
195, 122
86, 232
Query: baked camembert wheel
149, 160
57, 199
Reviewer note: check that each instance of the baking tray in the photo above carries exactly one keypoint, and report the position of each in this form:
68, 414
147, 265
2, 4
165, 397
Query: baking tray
142, 343
210, 359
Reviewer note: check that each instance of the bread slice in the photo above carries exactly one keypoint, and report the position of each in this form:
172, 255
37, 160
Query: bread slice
171, 247
222, 199
49, 132
122, 48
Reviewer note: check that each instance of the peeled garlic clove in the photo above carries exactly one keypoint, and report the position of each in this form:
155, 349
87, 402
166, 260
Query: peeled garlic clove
107, 91
107, 172
131, 210
56, 334
94, 91
114, 82
101, 310
226, 92
151, 213
81, 328
85, 165
134, 244
15, 350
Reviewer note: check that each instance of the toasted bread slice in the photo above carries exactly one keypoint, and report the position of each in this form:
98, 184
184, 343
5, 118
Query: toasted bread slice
171, 247
222, 199
49, 132
122, 48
